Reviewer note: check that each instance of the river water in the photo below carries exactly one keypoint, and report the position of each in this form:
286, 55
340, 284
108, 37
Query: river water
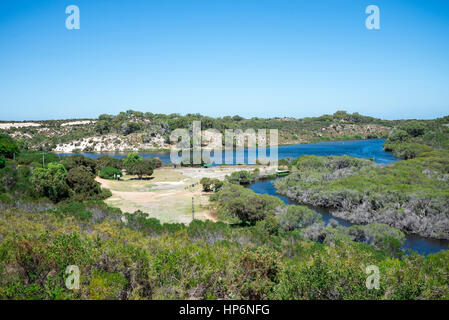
356, 148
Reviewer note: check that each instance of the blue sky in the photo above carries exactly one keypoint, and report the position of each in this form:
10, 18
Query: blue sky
249, 57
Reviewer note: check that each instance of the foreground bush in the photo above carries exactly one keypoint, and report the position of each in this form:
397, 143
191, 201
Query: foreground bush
202, 261
110, 173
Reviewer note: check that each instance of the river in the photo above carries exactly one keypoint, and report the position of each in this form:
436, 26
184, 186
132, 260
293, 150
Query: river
356, 148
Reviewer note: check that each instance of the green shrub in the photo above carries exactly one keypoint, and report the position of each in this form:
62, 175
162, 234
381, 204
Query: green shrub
107, 161
110, 173
76, 209
140, 168
7, 146
131, 159
24, 172
32, 158
75, 161
51, 182
82, 182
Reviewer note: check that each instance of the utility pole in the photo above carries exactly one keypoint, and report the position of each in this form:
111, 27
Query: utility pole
193, 211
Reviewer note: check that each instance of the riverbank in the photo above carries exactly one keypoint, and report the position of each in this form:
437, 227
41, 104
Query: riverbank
413, 242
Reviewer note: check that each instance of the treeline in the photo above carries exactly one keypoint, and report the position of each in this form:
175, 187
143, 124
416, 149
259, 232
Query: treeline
135, 121
411, 138
150, 125
33, 175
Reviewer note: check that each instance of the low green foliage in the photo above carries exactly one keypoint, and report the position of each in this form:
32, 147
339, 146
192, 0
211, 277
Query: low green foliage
107, 161
210, 184
110, 173
410, 195
2, 161
51, 182
8, 146
143, 259
243, 177
77, 161
411, 138
30, 157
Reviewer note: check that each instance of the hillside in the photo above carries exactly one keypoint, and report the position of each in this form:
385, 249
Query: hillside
137, 131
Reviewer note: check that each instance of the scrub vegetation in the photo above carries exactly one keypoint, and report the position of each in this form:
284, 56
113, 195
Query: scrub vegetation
134, 130
52, 215
410, 195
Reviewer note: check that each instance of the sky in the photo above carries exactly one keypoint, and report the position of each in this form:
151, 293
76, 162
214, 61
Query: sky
255, 58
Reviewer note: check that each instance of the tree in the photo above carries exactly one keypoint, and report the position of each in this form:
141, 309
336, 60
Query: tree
7, 146
107, 161
294, 217
236, 201
109, 173
82, 182
414, 128
72, 162
2, 161
398, 135
130, 160
141, 168
207, 183
240, 177
103, 126
130, 127
218, 184
155, 162
51, 182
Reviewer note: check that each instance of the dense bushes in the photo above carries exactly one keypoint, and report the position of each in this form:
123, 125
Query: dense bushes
202, 261
238, 204
107, 161
51, 182
411, 138
210, 184
409, 195
30, 157
75, 161
83, 183
110, 173
2, 161
78, 182
243, 177
7, 146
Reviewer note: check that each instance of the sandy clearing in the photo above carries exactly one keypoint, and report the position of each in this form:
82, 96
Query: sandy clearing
8, 125
168, 195
74, 123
